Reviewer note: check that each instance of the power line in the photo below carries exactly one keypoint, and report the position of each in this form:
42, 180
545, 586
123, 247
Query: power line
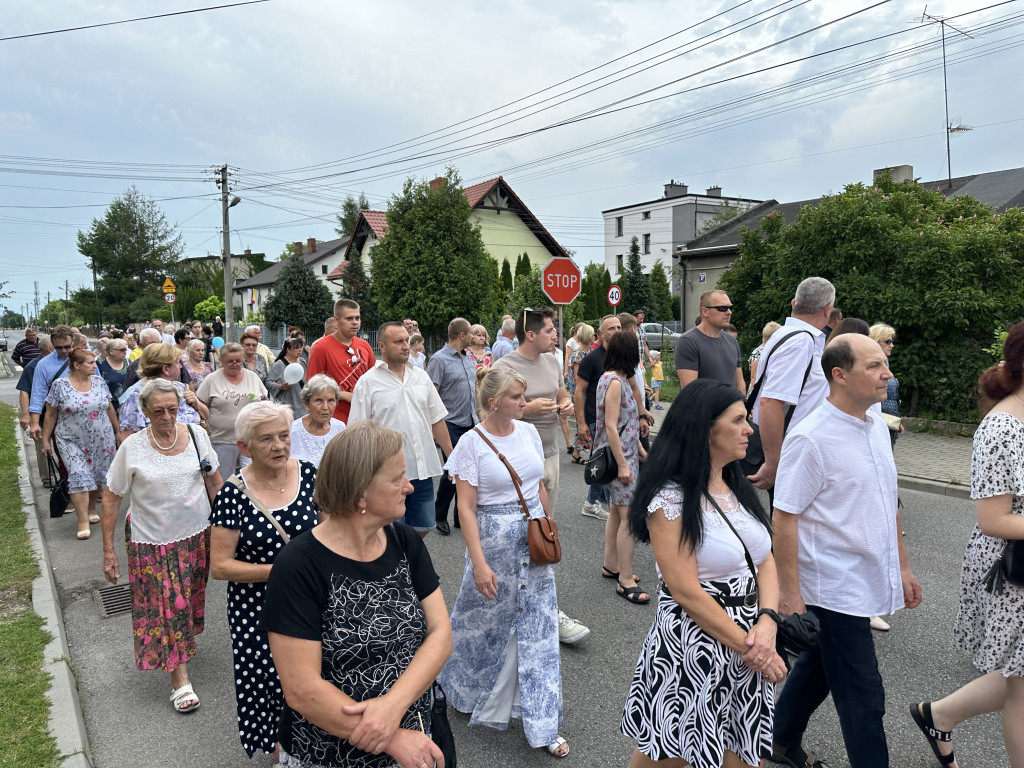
129, 21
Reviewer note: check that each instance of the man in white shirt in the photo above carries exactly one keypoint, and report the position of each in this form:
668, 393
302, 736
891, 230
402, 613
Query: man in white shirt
503, 344
400, 396
158, 324
840, 554
794, 384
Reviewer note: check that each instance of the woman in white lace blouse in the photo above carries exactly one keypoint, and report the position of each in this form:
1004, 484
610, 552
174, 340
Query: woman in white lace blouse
168, 471
702, 691
312, 432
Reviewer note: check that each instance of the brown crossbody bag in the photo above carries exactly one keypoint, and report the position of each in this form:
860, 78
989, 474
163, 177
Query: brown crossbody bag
541, 532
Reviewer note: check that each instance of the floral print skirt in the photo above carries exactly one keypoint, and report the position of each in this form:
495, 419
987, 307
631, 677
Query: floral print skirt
168, 584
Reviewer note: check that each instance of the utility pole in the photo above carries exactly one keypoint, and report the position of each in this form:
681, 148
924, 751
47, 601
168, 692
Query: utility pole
96, 295
226, 251
37, 298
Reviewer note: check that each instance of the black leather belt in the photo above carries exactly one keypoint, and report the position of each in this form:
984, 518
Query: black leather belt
727, 601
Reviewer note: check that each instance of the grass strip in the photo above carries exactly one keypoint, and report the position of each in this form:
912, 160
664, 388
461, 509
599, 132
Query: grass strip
24, 735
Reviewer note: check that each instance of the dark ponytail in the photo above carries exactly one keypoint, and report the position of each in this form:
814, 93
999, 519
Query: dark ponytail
1004, 379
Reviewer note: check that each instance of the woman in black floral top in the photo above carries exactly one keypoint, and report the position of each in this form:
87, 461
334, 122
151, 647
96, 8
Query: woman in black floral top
990, 624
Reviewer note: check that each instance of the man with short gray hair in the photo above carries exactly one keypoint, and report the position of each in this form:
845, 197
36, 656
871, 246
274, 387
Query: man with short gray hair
793, 382
503, 344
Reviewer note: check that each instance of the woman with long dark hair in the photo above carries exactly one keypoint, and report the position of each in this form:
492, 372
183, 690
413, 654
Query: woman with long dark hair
703, 688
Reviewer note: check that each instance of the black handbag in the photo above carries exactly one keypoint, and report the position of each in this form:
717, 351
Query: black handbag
1008, 568
754, 458
60, 497
440, 728
601, 468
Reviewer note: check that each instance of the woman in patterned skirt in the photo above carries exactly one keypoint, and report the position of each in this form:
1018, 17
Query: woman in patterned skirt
989, 624
703, 694
251, 524
505, 658
166, 535
312, 432
357, 622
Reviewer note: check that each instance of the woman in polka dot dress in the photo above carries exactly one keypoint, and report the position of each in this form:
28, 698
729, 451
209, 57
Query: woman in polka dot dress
244, 543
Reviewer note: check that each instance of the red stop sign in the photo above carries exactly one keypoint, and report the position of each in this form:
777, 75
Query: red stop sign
561, 280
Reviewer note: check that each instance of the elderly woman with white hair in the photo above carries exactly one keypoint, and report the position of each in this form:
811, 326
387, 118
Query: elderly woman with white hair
312, 432
169, 473
193, 362
256, 513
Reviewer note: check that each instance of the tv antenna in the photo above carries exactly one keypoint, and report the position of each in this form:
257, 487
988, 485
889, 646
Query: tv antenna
927, 18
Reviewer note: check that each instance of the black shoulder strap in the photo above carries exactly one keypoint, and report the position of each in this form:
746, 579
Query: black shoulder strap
746, 552
61, 369
764, 372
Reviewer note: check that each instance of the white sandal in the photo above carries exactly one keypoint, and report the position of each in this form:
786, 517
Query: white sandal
182, 695
553, 748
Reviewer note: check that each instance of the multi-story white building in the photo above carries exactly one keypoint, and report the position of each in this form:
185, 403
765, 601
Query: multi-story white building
661, 225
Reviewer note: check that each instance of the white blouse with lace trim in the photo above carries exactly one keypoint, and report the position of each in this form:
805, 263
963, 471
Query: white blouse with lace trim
167, 495
311, 447
720, 555
473, 460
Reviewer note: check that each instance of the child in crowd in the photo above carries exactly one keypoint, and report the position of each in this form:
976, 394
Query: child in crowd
416, 356
657, 376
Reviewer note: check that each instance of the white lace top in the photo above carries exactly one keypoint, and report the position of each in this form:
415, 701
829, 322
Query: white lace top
720, 556
311, 447
167, 495
473, 460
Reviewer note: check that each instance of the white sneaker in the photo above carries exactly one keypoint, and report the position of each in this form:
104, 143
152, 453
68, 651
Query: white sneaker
878, 624
592, 510
605, 511
570, 631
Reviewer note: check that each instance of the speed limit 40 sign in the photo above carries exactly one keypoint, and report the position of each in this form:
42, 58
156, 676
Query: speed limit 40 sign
614, 295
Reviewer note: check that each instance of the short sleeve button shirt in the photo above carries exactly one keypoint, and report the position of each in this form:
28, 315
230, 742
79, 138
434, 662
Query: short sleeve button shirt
454, 375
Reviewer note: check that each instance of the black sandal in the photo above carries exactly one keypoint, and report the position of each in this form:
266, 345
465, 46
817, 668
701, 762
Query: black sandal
922, 714
632, 594
610, 574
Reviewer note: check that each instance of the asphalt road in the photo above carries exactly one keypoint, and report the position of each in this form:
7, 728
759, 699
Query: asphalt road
130, 721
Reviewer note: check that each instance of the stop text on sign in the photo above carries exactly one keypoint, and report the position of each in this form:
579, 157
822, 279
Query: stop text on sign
561, 280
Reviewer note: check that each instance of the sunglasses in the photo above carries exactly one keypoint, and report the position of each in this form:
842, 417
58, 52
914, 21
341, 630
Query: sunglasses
723, 308
62, 346
891, 341
355, 359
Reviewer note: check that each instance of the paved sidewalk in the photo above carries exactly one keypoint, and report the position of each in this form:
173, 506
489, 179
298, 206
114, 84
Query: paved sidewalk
934, 463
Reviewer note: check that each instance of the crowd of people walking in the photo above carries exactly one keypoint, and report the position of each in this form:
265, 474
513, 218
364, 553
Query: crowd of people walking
307, 483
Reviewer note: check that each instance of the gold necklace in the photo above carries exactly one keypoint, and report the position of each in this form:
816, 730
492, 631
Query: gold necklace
267, 487
341, 539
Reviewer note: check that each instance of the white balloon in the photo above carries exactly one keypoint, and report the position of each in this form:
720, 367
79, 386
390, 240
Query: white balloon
293, 373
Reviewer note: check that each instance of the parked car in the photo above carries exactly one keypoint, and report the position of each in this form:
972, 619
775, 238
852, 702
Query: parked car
657, 333
3, 342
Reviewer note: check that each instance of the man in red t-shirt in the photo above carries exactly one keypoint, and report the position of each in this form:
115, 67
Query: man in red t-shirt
342, 355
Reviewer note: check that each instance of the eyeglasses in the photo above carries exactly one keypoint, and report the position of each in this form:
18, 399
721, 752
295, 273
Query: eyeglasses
160, 412
723, 308
62, 346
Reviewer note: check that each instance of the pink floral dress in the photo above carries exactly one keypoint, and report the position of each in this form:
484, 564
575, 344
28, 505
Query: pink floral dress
84, 436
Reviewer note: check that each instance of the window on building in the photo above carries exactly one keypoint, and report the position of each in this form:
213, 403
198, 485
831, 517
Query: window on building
618, 226
618, 264
323, 269
647, 243
646, 215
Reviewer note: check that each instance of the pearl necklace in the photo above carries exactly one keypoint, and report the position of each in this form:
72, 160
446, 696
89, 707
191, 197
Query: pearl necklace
152, 436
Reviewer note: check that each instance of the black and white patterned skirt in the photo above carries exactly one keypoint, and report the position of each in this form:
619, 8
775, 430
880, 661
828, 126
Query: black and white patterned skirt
693, 697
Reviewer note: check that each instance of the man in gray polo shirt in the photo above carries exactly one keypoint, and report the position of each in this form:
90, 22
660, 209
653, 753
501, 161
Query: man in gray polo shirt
454, 375
706, 352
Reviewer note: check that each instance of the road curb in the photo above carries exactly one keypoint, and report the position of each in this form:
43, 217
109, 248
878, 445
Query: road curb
66, 724
926, 485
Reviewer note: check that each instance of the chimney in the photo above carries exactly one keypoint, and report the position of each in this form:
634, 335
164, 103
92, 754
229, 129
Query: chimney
714, 192
437, 183
248, 252
311, 245
297, 247
900, 173
672, 189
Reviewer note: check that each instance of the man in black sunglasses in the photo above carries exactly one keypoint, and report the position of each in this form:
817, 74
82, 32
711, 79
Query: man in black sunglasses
48, 368
706, 352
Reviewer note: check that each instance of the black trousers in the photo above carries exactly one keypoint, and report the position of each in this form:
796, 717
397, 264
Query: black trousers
446, 487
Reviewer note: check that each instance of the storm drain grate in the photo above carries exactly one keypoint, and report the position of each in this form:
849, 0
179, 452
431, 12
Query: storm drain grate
116, 599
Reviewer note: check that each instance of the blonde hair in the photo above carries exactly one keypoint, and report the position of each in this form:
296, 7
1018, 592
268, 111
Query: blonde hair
155, 357
258, 414
350, 462
585, 334
480, 329
768, 330
880, 331
494, 384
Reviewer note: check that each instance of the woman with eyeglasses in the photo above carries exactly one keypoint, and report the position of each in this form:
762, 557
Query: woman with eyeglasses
251, 358
169, 476
225, 392
885, 335
158, 361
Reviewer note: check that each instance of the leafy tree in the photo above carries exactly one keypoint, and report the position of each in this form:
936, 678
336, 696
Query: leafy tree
606, 283
661, 294
528, 293
724, 214
209, 309
12, 319
350, 209
356, 286
523, 268
132, 249
299, 298
506, 276
636, 288
519, 267
432, 261
942, 272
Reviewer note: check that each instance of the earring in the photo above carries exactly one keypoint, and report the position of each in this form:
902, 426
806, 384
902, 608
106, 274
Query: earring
362, 512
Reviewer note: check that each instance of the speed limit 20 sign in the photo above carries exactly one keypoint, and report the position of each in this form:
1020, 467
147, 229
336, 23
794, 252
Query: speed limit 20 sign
614, 295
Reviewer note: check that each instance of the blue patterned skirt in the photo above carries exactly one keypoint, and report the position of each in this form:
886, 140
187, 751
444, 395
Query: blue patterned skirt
526, 612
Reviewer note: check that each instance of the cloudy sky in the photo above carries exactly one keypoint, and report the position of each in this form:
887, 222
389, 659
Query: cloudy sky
582, 106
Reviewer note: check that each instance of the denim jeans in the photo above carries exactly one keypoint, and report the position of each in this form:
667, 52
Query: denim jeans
843, 663
419, 505
445, 486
